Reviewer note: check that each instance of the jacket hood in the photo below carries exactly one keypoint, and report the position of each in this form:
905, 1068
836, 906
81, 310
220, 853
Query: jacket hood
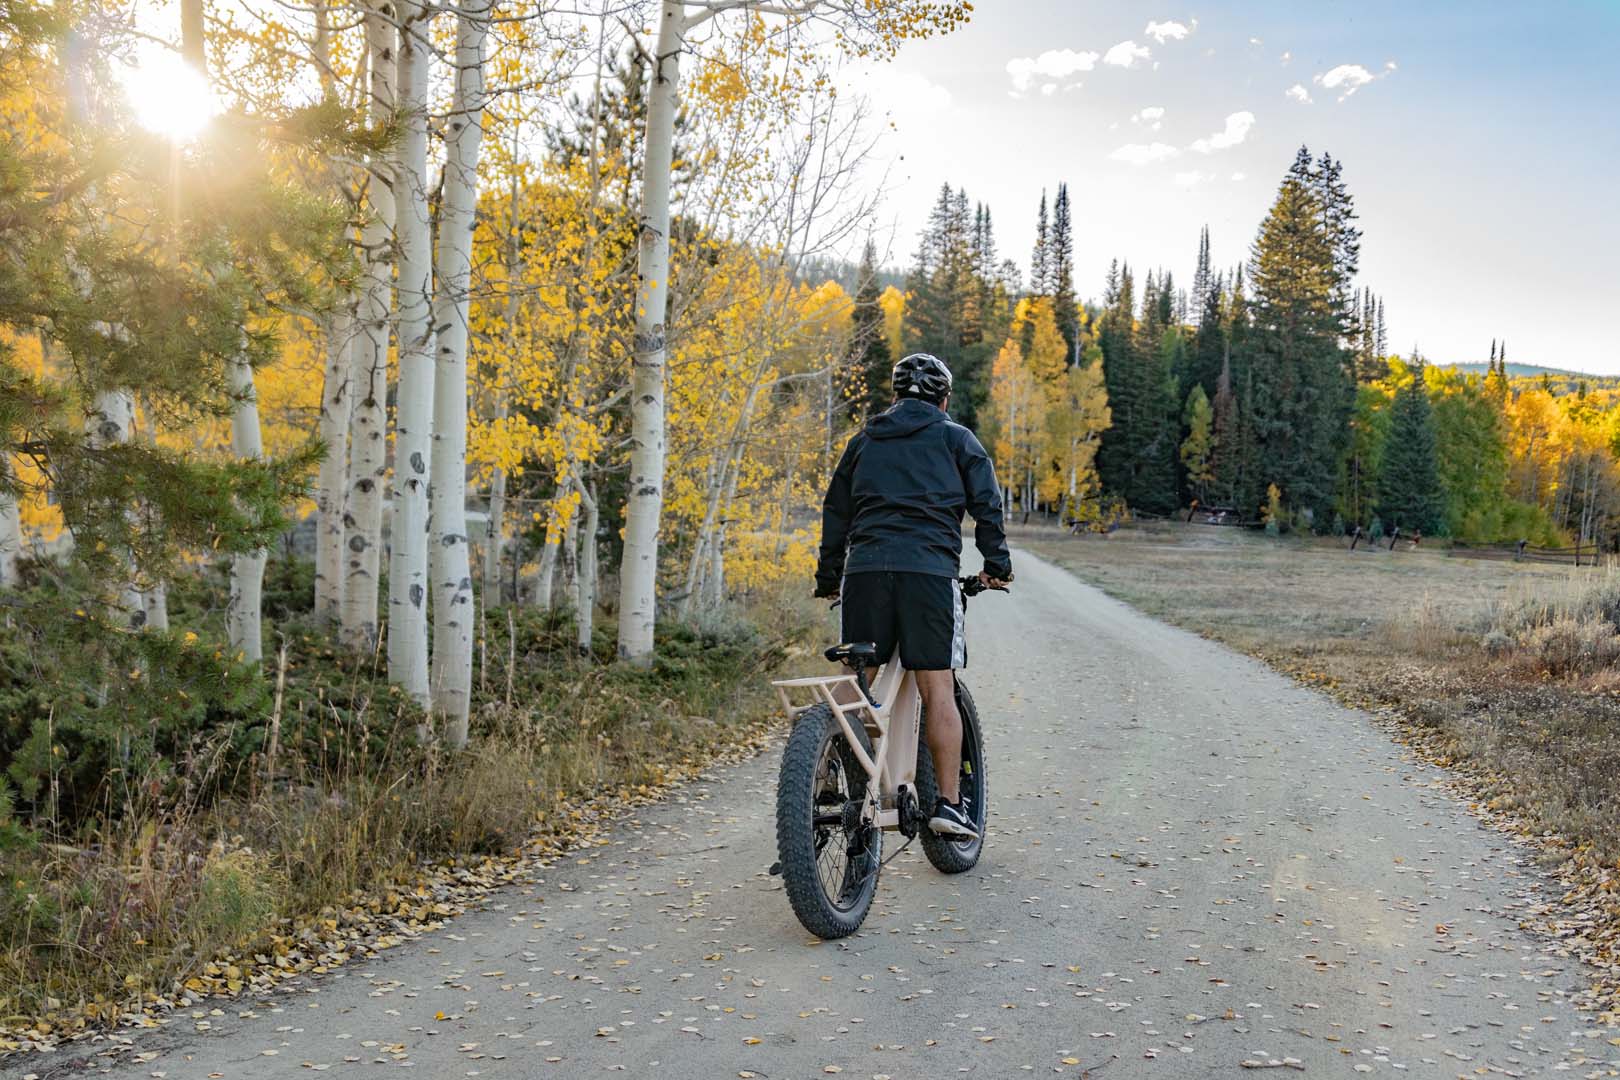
905, 417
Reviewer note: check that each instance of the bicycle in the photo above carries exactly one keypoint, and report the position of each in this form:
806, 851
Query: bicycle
850, 772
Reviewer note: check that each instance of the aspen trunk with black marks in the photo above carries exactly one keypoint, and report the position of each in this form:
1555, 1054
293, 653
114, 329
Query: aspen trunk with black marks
332, 482
638, 572
368, 391
450, 569
244, 623
585, 579
413, 410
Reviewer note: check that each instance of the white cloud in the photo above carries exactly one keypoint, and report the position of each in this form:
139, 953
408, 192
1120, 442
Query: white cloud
1193, 179
1300, 94
1053, 64
1346, 77
1236, 130
1169, 30
1240, 176
1143, 153
905, 98
1255, 41
1152, 117
1286, 56
1048, 89
1126, 54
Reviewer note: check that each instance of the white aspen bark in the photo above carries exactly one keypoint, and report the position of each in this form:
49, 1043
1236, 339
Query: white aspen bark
585, 581
638, 572
332, 483
413, 410
110, 422
368, 390
716, 585
243, 623
451, 571
11, 537
495, 541
548, 569
155, 597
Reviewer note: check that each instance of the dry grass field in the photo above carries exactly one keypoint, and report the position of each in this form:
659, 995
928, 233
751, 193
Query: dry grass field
1509, 671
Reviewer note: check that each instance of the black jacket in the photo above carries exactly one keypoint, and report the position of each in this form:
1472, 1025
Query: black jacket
897, 497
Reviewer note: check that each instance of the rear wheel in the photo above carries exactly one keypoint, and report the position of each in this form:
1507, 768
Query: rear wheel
949, 854
829, 856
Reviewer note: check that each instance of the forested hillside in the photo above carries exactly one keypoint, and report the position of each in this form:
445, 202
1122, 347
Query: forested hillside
1268, 388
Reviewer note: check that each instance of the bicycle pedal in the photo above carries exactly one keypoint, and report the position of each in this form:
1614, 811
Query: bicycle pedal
776, 869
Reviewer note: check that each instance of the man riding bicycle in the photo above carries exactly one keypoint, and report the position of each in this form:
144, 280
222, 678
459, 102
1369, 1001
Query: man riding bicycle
891, 544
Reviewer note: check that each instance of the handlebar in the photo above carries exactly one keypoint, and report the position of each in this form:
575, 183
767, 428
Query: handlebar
972, 586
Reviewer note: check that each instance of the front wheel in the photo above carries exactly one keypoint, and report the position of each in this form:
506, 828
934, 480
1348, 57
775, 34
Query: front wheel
829, 856
949, 854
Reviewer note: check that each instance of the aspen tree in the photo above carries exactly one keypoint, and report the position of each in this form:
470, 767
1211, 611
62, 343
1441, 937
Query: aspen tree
413, 412
864, 30
368, 444
450, 572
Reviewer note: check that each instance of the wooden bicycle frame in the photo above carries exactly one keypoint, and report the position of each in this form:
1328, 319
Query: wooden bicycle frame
893, 761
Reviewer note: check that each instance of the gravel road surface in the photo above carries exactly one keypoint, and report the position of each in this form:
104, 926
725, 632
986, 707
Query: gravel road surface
1193, 864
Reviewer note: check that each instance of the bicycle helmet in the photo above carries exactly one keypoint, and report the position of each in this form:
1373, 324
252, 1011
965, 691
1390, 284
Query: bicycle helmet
922, 376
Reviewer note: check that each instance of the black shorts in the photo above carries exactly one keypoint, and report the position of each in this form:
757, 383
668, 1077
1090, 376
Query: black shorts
920, 612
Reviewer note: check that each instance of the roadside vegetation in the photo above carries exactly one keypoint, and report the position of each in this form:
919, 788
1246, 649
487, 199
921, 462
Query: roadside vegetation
189, 826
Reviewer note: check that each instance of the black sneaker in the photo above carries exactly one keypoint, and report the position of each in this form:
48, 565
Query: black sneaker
951, 820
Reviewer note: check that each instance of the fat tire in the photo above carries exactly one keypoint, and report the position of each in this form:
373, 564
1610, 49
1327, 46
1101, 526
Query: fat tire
955, 856
796, 831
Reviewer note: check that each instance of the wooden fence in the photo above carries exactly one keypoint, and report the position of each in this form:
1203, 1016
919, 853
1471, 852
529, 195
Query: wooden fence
1524, 551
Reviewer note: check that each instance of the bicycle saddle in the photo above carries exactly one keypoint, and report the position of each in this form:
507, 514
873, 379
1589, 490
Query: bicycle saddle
857, 654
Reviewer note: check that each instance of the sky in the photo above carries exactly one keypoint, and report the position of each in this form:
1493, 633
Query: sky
1479, 140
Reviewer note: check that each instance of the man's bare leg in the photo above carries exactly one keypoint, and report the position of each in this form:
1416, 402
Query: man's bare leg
944, 732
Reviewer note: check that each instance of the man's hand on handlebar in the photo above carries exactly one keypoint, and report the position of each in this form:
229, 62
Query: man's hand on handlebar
994, 583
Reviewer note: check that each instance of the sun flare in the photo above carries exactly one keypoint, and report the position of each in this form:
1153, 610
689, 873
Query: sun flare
169, 96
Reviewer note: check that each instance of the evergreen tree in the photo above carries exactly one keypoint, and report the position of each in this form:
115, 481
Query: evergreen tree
1223, 441
1302, 385
1409, 495
1138, 454
943, 315
1040, 269
1381, 337
1202, 280
1199, 420
869, 361
1060, 259
1207, 354
1339, 225
141, 276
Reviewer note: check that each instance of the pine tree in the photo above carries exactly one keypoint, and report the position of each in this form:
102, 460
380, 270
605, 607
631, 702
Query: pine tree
1381, 336
1302, 386
1202, 281
143, 275
1409, 495
1060, 258
1223, 448
869, 363
1040, 263
1207, 353
942, 314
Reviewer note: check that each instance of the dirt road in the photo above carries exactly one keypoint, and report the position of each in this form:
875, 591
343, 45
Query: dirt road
1192, 864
